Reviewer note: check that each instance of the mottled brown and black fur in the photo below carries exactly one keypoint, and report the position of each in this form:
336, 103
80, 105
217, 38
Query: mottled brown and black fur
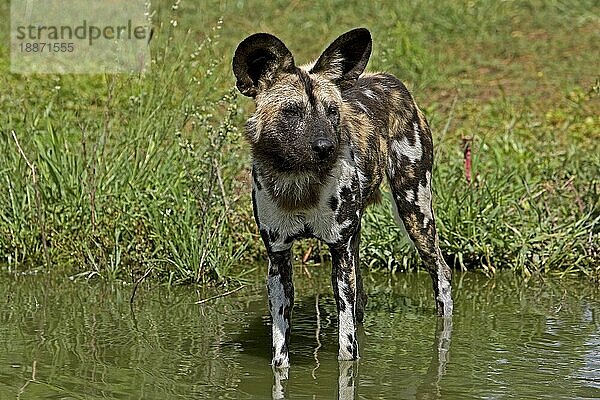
323, 137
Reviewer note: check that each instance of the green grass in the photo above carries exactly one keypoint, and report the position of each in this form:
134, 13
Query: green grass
139, 174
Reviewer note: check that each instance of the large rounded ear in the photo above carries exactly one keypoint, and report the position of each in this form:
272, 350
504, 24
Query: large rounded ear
258, 60
346, 58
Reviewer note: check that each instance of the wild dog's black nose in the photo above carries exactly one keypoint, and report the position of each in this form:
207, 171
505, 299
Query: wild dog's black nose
323, 147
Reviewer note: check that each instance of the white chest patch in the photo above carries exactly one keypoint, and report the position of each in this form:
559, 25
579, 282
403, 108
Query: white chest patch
320, 221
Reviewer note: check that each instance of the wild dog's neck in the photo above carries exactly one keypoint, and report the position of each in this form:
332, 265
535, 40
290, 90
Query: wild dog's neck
289, 190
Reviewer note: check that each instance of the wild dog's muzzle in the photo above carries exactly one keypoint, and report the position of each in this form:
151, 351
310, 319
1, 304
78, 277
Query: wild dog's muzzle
323, 148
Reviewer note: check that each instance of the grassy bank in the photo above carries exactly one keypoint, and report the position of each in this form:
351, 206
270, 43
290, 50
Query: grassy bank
120, 176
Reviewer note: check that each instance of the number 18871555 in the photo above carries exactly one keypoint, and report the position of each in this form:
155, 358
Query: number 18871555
40, 47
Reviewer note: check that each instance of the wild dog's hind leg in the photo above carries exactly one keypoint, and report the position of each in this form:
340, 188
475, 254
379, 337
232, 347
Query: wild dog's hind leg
410, 160
344, 278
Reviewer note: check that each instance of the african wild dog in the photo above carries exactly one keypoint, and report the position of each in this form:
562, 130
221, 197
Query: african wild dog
323, 136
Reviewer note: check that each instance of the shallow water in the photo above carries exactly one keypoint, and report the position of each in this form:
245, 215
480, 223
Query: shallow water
508, 339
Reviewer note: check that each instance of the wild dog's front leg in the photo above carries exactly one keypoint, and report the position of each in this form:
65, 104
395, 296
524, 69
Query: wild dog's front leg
281, 301
344, 277
279, 282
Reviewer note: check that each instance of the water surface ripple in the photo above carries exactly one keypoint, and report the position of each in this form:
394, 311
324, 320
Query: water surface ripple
508, 339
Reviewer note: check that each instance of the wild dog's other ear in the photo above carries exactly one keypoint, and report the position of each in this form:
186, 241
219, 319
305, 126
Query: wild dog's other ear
346, 58
257, 61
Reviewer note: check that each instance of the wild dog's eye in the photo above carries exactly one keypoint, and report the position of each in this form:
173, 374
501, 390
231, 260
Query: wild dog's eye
332, 111
292, 110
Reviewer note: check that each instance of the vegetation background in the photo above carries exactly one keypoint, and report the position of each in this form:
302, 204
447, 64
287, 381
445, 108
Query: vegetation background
130, 176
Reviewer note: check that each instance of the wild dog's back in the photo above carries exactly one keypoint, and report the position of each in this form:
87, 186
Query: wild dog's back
380, 123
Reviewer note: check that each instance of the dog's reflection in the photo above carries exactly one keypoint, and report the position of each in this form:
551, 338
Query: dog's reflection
348, 371
348, 375
280, 383
430, 388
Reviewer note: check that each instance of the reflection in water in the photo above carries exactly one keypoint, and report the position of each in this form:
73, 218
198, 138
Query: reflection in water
589, 372
430, 388
347, 379
280, 383
511, 338
348, 376
317, 336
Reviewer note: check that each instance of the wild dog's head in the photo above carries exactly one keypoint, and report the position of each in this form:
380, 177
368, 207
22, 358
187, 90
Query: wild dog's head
296, 127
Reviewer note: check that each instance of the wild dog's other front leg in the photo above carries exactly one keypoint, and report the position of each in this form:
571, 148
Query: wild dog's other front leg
344, 257
281, 301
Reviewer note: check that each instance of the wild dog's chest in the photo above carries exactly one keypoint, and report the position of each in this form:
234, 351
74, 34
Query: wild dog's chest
334, 219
